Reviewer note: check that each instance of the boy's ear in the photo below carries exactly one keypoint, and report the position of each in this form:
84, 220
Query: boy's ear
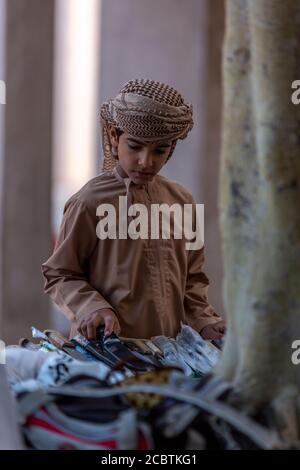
113, 136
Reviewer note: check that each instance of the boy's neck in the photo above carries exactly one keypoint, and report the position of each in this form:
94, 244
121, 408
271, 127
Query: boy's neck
121, 172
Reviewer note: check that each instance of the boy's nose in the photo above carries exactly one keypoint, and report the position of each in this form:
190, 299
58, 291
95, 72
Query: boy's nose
145, 160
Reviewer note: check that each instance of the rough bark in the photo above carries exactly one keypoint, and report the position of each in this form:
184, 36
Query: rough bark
260, 204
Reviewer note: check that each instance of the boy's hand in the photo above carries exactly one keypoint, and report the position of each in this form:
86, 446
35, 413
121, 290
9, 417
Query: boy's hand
214, 331
105, 316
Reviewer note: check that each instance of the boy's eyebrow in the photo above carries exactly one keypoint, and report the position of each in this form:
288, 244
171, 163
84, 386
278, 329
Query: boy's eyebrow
163, 144
140, 142
135, 141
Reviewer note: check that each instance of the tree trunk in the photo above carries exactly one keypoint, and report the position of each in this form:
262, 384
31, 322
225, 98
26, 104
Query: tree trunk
260, 204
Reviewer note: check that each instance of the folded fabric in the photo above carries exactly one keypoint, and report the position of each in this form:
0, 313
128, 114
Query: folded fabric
30, 370
51, 429
79, 420
22, 364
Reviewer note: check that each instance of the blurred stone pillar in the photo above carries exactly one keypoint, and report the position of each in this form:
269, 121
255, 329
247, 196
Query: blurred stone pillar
26, 169
178, 43
10, 435
2, 117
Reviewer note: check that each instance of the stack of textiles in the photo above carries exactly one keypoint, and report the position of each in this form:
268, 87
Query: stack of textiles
189, 350
112, 393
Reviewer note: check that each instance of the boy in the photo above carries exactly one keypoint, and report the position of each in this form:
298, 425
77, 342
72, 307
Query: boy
136, 287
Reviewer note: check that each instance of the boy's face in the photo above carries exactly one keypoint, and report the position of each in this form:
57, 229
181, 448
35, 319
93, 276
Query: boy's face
139, 160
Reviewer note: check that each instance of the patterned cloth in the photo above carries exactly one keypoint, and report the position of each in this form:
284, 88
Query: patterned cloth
146, 109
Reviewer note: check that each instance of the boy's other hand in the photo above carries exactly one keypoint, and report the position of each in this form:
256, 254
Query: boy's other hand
214, 331
105, 316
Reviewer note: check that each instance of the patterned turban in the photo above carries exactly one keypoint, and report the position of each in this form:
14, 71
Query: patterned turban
148, 110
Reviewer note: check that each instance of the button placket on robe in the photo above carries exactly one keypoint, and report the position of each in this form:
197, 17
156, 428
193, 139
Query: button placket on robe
155, 260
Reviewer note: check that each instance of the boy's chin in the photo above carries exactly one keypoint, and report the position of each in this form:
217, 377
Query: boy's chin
138, 179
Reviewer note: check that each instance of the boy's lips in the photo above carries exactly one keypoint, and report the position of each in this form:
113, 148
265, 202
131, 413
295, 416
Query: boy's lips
143, 174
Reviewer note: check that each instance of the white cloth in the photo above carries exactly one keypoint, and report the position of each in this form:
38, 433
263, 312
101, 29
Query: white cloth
22, 364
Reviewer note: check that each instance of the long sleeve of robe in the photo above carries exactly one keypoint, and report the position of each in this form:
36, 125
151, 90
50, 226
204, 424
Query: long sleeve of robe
151, 284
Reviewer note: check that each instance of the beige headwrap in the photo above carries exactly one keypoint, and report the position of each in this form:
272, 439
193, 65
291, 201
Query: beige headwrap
148, 110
